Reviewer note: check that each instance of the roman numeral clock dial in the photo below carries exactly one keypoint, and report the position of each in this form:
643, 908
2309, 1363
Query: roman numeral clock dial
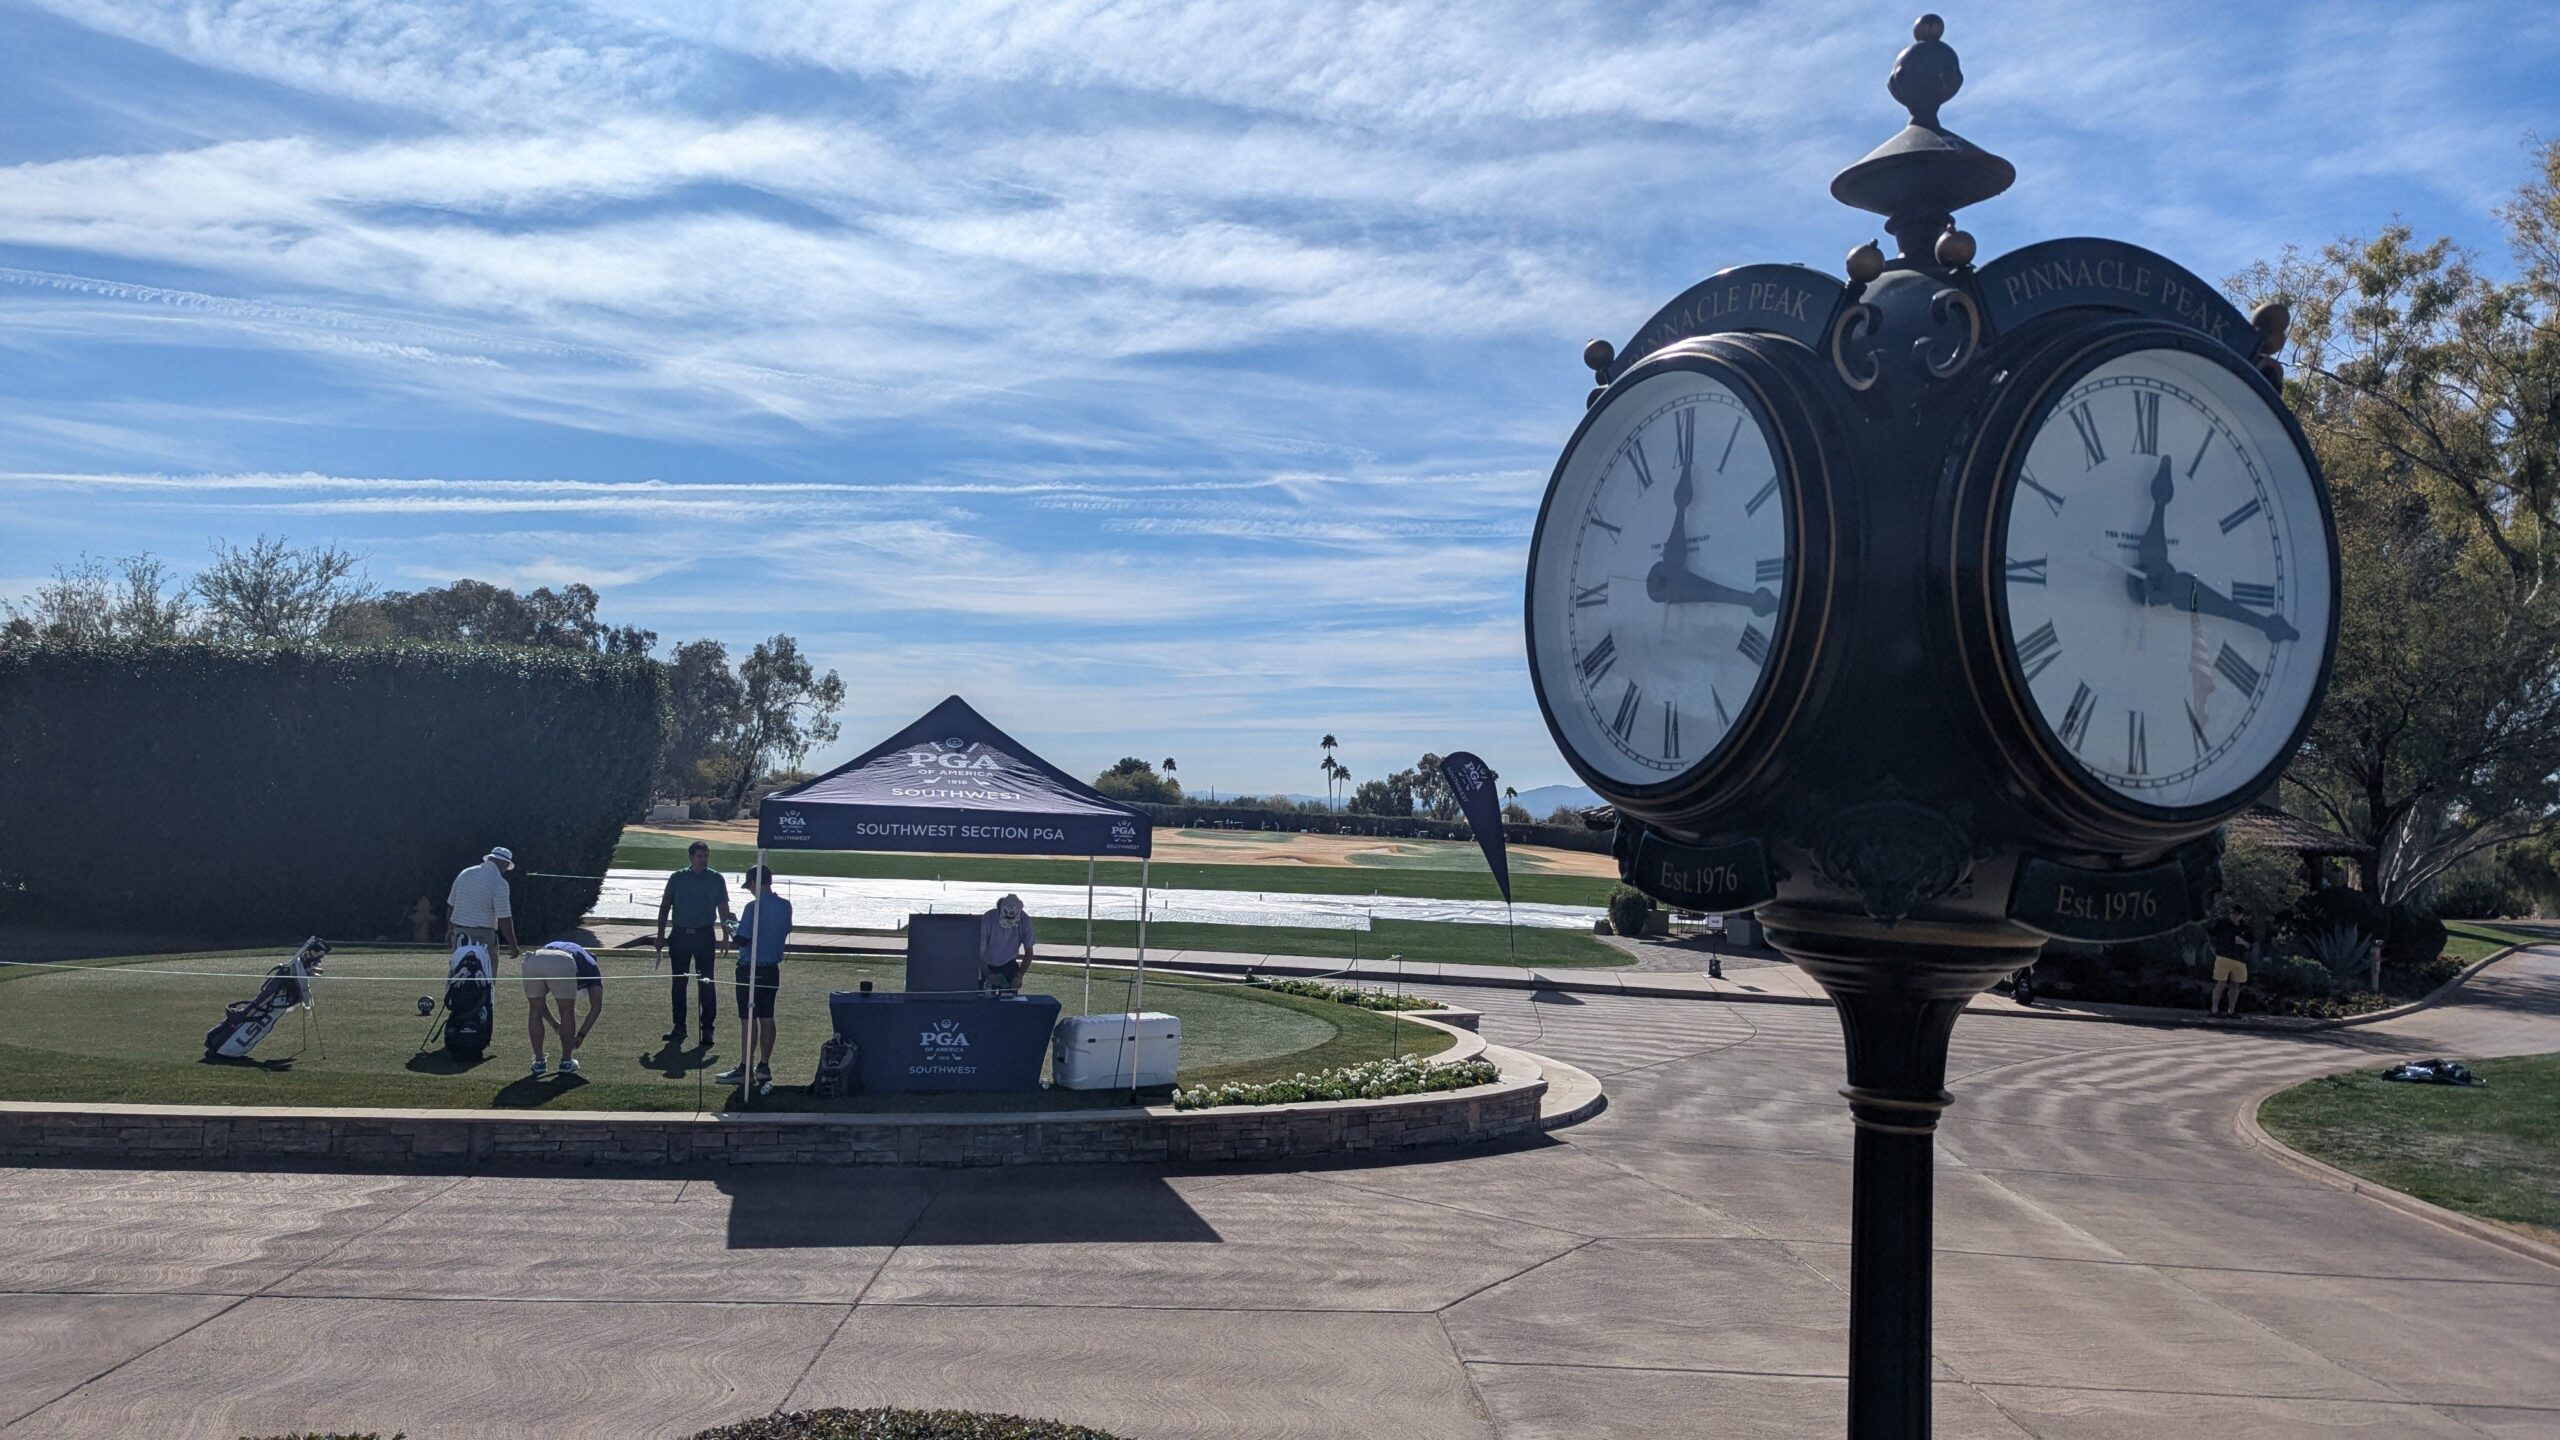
1655, 588
2164, 582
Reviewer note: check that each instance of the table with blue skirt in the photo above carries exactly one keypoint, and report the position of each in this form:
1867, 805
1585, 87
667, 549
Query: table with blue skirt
909, 1043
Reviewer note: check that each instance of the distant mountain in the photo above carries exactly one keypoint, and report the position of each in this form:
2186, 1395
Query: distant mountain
1542, 801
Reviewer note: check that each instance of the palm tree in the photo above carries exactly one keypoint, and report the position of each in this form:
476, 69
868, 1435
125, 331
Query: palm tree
1342, 776
1329, 742
1327, 767
1168, 765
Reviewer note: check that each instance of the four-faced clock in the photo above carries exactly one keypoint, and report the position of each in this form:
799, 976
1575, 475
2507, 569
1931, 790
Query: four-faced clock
1663, 577
2161, 577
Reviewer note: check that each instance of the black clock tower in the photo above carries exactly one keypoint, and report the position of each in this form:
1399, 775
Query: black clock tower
1930, 612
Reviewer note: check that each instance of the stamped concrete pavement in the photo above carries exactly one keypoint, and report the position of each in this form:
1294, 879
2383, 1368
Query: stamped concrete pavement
2114, 1260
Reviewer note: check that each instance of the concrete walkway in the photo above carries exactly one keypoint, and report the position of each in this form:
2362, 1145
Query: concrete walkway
2114, 1261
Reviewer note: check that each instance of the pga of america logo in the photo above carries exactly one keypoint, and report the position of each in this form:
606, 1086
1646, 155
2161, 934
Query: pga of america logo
1123, 833
944, 1037
792, 823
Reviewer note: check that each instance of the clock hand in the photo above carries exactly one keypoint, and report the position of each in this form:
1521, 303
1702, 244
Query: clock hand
2152, 552
1675, 551
1675, 585
2189, 593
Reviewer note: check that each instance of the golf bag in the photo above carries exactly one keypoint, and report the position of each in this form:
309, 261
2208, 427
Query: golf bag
835, 1076
246, 1022
468, 986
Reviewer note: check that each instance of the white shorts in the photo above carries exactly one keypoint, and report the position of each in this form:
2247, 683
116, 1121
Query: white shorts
550, 972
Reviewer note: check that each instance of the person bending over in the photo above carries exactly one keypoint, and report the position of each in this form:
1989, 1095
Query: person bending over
590, 985
1004, 945
551, 1003
763, 926
698, 899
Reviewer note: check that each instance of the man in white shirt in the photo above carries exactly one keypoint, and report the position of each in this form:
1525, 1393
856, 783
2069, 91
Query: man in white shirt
1004, 946
479, 906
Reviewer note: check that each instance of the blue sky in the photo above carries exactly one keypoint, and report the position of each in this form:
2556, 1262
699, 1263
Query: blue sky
1168, 379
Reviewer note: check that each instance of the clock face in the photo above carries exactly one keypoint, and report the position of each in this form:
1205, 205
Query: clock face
2167, 582
1662, 559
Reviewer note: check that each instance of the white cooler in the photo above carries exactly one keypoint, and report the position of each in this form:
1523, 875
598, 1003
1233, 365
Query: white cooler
1099, 1052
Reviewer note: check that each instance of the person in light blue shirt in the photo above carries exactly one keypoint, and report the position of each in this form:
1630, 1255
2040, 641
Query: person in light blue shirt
764, 926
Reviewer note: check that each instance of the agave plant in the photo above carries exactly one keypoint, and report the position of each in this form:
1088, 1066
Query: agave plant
2345, 951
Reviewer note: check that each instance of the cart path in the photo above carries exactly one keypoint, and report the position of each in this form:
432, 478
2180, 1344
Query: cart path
2114, 1261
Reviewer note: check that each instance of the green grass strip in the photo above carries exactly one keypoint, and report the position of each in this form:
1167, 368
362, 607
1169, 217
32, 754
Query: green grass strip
2492, 1151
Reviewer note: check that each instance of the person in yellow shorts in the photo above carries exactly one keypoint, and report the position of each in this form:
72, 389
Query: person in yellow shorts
2228, 976
551, 980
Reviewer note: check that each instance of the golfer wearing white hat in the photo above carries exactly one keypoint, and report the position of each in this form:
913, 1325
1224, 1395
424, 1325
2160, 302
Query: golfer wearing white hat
479, 906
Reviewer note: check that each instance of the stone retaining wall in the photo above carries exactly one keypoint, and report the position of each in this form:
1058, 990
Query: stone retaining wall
176, 1135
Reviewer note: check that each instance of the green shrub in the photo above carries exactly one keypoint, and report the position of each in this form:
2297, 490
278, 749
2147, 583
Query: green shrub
286, 789
2291, 976
2412, 936
2338, 908
1361, 995
2261, 885
1401, 1075
1629, 908
2482, 894
889, 1424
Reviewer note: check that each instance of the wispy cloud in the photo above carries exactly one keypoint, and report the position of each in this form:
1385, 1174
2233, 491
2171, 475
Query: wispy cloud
1061, 351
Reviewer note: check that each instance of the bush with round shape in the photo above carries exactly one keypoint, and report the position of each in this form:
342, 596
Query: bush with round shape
2413, 938
1629, 908
894, 1424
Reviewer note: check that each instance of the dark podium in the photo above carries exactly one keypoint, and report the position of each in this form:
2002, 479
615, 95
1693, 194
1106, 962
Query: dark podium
940, 1033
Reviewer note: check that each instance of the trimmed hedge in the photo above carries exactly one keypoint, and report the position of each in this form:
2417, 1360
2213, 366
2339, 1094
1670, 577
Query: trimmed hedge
289, 789
892, 1424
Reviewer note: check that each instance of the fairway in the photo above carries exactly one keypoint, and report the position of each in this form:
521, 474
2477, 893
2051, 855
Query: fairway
132, 1031
1443, 878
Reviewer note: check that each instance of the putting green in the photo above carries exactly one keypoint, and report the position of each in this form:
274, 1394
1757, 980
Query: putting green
132, 1031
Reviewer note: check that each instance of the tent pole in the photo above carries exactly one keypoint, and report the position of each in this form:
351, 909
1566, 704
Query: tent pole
747, 1022
1088, 937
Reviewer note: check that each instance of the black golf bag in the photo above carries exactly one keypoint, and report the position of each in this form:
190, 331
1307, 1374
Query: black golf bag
246, 1022
467, 994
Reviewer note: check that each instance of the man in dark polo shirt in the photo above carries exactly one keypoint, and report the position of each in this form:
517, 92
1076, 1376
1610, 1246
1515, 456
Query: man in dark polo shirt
697, 899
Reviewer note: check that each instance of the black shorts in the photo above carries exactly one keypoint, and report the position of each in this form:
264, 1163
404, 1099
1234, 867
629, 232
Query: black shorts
690, 947
755, 999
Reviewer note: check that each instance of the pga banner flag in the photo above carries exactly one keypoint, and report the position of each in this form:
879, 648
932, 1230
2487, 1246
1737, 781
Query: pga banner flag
1471, 780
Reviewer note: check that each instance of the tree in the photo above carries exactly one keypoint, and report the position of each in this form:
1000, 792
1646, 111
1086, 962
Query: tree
2261, 884
1391, 796
706, 708
476, 612
1135, 780
1168, 767
1566, 816
137, 598
2432, 396
269, 590
786, 709
1516, 814
1329, 767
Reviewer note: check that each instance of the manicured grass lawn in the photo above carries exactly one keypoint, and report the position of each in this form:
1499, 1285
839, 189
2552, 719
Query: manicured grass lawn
1418, 941
132, 1031
2491, 1151
2469, 940
642, 851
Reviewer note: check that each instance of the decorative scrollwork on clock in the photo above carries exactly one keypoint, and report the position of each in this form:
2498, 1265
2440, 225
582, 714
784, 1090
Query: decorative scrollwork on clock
1858, 326
1947, 363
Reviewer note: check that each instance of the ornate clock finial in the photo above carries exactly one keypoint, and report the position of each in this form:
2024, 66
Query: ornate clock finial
1919, 178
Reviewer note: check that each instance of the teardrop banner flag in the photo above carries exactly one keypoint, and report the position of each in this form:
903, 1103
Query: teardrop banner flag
1471, 780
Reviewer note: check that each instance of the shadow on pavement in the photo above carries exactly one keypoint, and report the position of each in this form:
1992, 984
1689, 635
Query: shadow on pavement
1040, 1205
